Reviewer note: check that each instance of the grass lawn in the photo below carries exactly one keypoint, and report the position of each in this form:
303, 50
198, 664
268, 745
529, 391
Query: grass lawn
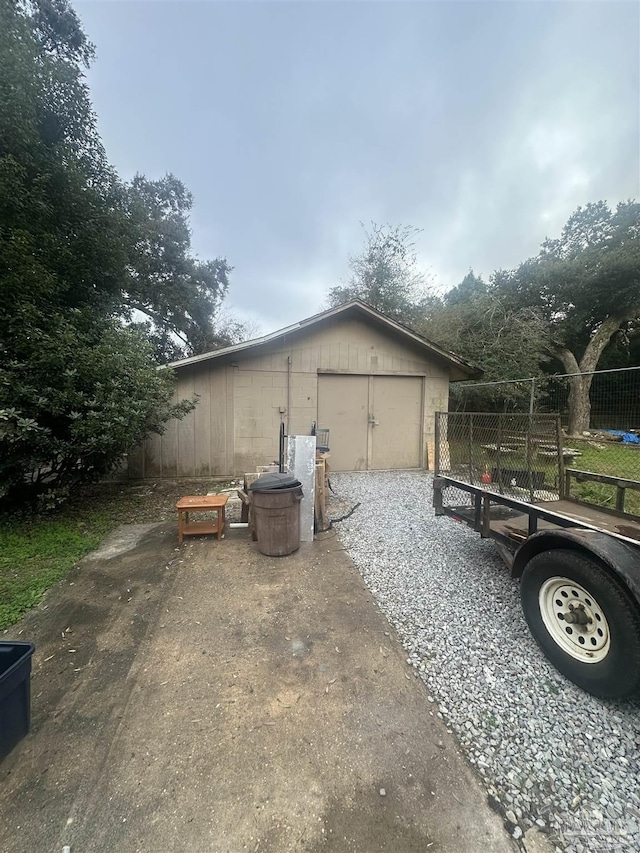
36, 552
616, 460
34, 555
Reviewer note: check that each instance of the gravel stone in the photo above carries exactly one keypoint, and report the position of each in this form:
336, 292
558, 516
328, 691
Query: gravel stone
537, 741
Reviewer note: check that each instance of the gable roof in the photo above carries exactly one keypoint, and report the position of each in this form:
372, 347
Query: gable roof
354, 307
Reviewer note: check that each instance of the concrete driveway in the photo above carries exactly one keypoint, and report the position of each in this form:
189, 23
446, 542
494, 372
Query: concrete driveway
209, 698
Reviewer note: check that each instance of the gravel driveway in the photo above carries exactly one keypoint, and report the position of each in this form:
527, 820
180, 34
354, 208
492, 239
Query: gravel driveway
548, 753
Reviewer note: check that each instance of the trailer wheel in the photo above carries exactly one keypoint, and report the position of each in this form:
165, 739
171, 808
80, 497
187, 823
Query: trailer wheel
584, 621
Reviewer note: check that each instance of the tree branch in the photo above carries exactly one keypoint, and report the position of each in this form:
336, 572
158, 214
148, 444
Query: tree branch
596, 345
158, 319
565, 355
599, 341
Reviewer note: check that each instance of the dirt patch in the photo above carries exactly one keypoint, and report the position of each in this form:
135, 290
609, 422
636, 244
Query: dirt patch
146, 502
209, 698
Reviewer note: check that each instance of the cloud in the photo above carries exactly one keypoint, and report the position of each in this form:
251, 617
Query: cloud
484, 124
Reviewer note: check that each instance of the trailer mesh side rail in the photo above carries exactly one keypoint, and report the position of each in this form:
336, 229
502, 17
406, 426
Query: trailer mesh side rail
517, 455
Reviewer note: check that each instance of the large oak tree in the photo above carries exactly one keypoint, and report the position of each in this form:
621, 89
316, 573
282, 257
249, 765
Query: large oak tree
585, 286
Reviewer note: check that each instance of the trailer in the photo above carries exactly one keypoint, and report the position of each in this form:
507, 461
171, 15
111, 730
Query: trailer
510, 478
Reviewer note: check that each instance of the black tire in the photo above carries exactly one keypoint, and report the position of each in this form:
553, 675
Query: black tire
615, 676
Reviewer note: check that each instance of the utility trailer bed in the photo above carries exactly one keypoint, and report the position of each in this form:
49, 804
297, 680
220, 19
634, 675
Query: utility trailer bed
578, 563
592, 516
511, 521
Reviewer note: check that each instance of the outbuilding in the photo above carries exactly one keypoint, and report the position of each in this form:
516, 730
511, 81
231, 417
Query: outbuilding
372, 382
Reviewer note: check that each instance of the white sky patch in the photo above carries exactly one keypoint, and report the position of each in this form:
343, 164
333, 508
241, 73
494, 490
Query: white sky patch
551, 145
484, 124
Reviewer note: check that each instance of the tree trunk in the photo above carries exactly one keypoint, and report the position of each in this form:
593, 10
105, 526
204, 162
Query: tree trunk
580, 386
579, 403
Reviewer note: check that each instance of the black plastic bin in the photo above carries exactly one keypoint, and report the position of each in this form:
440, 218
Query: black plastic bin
15, 693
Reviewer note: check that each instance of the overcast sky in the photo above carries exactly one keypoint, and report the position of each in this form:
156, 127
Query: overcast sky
483, 123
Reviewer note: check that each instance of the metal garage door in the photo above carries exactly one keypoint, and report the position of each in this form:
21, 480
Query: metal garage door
375, 421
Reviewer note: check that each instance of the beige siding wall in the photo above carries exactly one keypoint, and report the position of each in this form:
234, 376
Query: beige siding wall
235, 425
257, 399
198, 445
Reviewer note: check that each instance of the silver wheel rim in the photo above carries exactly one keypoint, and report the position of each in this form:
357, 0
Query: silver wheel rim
574, 619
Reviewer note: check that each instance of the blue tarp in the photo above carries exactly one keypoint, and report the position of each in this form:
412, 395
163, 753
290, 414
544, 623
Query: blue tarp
627, 437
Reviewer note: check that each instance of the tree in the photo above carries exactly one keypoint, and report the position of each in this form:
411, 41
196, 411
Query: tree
179, 295
73, 224
472, 321
586, 287
385, 275
77, 390
471, 287
70, 412
62, 238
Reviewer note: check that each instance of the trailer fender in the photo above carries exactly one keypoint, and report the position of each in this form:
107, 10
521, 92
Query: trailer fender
622, 559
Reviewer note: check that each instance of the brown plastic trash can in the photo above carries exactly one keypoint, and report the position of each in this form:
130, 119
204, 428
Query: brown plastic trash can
276, 518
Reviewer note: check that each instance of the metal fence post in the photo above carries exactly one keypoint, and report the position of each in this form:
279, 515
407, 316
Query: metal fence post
562, 486
529, 457
499, 455
532, 399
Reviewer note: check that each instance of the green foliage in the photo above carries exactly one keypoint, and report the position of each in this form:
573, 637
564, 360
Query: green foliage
81, 399
179, 294
37, 551
576, 301
585, 287
386, 276
60, 236
58, 30
77, 389
587, 275
473, 322
601, 494
471, 288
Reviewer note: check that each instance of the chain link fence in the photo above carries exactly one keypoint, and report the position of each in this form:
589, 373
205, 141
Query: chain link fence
613, 399
599, 416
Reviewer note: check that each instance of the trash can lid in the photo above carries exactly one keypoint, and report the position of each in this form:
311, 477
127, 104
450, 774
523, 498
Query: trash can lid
275, 481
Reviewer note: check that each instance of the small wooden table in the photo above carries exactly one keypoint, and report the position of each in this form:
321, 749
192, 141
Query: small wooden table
201, 503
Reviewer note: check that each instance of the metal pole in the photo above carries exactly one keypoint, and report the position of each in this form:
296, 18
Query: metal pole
281, 449
529, 453
532, 399
563, 491
288, 395
499, 455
